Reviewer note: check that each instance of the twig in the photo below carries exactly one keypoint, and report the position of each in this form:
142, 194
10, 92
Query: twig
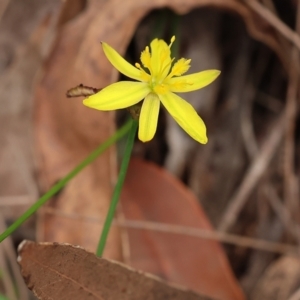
274, 21
247, 129
270, 5
281, 211
212, 235
7, 250
208, 234
246, 122
291, 192
254, 173
6, 278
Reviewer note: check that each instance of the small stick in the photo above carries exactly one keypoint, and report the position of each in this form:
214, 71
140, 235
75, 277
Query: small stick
253, 175
266, 14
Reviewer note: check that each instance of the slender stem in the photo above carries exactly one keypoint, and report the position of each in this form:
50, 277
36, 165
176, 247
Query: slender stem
110, 141
118, 188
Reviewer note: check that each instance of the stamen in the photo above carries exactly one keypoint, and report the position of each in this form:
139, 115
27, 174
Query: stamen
172, 41
144, 75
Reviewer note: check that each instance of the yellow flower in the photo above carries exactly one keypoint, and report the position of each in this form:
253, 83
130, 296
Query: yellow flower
158, 84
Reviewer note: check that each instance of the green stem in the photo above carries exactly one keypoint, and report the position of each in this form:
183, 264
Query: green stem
118, 188
58, 186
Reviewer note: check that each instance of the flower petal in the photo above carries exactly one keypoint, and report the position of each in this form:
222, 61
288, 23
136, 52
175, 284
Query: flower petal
120, 63
185, 115
118, 95
160, 58
149, 117
192, 82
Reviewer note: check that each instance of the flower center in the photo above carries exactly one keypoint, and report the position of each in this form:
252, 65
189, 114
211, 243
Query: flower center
159, 63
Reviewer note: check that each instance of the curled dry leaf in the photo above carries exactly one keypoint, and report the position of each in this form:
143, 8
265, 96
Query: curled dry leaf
151, 194
63, 271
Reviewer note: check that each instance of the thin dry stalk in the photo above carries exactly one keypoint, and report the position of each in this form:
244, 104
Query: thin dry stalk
266, 14
6, 278
291, 192
257, 168
190, 231
281, 210
7, 256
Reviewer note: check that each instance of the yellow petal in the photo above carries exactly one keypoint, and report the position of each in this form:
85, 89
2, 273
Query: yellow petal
118, 95
192, 82
120, 63
185, 115
160, 58
149, 117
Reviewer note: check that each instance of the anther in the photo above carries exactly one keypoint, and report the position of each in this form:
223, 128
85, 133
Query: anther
172, 41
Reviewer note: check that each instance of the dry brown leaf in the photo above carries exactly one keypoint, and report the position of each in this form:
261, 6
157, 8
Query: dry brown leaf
67, 132
63, 271
152, 194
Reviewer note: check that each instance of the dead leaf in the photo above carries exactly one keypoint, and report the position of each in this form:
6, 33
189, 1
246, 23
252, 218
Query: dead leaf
67, 132
63, 271
152, 194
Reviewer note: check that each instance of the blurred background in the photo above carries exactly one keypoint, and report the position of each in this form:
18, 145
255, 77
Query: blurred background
246, 179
